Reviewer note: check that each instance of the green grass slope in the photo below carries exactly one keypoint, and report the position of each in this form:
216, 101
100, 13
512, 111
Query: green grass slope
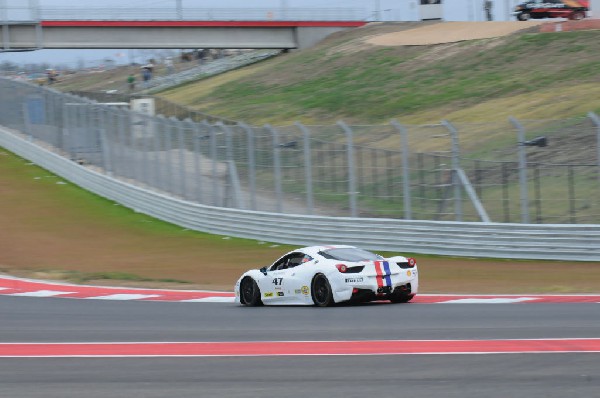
527, 75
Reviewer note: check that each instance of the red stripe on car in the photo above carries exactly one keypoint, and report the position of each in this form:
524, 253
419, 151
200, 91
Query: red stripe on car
379, 271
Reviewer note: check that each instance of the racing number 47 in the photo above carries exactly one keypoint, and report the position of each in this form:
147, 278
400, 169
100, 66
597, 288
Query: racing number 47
277, 281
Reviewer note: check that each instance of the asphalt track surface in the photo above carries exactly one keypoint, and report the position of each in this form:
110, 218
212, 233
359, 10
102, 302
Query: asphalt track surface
56, 320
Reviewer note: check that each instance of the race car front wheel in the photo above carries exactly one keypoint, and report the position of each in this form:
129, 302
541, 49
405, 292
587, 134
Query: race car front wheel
524, 16
249, 292
321, 291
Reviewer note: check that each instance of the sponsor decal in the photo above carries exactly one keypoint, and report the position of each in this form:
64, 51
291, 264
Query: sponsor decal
304, 290
408, 273
280, 294
270, 294
297, 291
354, 280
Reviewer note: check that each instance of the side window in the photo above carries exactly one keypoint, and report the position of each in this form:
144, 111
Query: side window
279, 264
298, 258
290, 261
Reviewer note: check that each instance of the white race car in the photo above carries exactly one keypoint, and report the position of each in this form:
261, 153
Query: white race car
327, 275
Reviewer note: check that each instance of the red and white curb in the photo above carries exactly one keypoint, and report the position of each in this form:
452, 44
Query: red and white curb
11, 286
20, 287
297, 348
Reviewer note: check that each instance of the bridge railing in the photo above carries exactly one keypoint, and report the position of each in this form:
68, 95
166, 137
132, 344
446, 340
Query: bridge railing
25, 12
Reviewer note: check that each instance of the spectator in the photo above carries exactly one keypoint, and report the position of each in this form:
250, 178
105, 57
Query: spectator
51, 74
131, 82
487, 6
147, 73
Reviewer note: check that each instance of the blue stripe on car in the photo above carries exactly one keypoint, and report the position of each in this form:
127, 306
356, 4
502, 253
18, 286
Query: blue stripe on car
386, 267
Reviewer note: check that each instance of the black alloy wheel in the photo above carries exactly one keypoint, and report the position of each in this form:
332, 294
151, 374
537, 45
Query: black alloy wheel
321, 291
400, 298
578, 16
249, 292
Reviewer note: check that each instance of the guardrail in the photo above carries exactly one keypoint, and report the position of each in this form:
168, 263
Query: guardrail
511, 241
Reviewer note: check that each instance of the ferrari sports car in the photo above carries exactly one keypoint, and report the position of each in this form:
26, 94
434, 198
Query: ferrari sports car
328, 275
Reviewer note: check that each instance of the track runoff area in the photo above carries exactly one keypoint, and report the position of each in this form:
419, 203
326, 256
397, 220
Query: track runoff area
18, 287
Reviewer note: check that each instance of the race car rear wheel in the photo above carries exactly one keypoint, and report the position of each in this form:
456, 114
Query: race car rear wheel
249, 292
577, 15
321, 291
401, 298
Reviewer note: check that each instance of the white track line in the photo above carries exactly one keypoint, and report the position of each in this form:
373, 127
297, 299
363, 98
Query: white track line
40, 293
210, 300
123, 297
488, 300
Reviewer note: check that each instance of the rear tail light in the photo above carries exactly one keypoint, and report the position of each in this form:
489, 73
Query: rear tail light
341, 267
411, 262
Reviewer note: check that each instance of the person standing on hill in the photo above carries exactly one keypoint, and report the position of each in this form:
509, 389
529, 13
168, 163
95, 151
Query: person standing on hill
487, 7
131, 82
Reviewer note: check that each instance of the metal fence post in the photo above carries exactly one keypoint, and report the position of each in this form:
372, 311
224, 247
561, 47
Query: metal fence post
121, 167
351, 175
160, 153
213, 155
196, 129
524, 194
405, 169
228, 140
132, 148
144, 148
251, 163
67, 130
156, 148
276, 167
458, 208
104, 143
60, 123
307, 167
132, 152
233, 184
596, 121
182, 161
168, 128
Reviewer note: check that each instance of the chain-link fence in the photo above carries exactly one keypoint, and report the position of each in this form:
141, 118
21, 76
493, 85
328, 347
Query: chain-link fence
498, 172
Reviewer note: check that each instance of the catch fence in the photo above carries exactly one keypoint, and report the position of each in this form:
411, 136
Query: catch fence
492, 172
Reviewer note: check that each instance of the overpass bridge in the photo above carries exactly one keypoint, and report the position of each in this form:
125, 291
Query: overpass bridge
27, 26
173, 34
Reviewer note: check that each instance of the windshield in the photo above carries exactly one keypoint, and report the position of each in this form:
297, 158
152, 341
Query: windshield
350, 254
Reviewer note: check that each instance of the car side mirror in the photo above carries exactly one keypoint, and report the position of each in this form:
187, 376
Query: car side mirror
264, 270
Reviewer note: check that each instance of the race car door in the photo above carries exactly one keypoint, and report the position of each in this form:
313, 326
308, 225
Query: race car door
279, 284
